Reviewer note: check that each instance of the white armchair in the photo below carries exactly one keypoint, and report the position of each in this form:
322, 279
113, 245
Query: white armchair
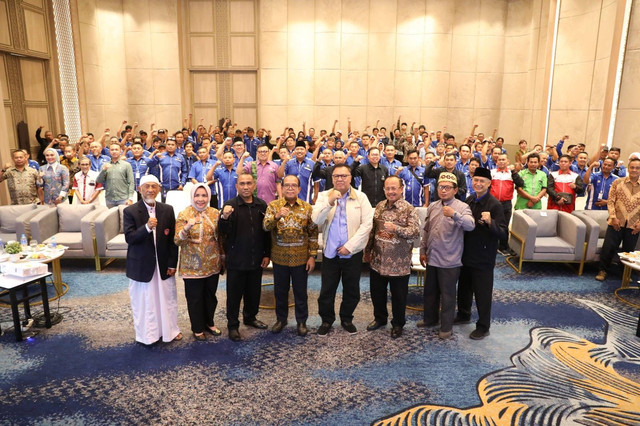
14, 220
71, 225
547, 236
109, 239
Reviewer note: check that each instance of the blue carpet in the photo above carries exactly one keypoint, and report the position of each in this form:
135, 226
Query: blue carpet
88, 370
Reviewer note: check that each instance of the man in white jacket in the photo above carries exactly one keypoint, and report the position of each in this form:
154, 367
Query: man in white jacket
344, 217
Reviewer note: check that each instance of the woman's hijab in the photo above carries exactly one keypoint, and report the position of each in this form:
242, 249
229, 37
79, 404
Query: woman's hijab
193, 193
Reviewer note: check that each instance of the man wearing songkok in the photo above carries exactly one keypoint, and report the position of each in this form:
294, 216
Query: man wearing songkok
441, 253
479, 254
152, 257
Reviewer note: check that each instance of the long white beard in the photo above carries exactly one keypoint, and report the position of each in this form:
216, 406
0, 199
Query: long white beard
150, 201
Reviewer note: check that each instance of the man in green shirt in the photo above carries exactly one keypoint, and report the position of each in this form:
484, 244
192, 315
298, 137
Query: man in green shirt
117, 177
535, 185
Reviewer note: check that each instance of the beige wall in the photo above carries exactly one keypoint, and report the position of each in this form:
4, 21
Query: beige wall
130, 63
627, 129
583, 55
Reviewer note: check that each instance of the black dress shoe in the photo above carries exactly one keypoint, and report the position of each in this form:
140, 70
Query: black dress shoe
375, 324
214, 332
324, 328
461, 320
349, 327
235, 335
257, 324
277, 327
302, 329
200, 337
396, 332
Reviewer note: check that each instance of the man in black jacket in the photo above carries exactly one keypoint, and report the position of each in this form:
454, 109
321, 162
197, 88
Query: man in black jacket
373, 176
152, 256
247, 249
449, 166
479, 255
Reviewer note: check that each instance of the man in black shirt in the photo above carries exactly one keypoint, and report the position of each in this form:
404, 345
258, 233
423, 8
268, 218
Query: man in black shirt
247, 248
373, 176
479, 255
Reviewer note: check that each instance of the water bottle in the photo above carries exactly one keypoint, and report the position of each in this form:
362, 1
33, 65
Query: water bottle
52, 242
23, 242
1, 246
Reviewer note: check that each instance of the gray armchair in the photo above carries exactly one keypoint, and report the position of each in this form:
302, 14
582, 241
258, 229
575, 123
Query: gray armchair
547, 236
14, 220
596, 223
71, 225
109, 239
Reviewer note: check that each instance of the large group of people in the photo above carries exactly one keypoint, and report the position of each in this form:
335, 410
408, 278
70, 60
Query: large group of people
258, 199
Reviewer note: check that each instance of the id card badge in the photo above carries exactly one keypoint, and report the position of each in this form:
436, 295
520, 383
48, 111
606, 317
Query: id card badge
137, 175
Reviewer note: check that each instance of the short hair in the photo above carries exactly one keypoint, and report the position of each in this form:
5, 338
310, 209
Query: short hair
373, 149
400, 181
188, 143
412, 151
237, 139
250, 129
295, 176
389, 146
135, 142
243, 173
633, 159
533, 155
616, 149
567, 156
340, 166
475, 160
450, 155
262, 145
609, 158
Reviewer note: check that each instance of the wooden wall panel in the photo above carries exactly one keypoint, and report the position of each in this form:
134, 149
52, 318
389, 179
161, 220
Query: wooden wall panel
36, 31
244, 88
33, 80
5, 33
210, 115
205, 88
245, 117
242, 16
243, 51
10, 127
201, 16
202, 51
37, 116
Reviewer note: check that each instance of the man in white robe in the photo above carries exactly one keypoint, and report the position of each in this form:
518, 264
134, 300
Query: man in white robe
152, 256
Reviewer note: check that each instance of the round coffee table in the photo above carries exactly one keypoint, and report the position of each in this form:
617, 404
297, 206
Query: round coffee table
629, 266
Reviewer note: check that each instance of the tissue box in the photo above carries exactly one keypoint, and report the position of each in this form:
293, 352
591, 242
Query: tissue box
25, 269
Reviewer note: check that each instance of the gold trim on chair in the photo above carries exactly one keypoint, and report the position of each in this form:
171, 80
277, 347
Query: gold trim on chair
518, 269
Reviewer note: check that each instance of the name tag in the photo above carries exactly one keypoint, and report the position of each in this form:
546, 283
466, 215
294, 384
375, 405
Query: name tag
137, 175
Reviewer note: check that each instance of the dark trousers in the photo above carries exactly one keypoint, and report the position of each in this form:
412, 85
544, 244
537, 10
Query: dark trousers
283, 277
440, 296
333, 270
214, 201
476, 283
247, 285
201, 301
506, 208
399, 289
612, 240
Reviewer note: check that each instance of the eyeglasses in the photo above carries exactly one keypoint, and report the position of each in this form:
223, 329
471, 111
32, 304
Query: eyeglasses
290, 185
340, 177
445, 188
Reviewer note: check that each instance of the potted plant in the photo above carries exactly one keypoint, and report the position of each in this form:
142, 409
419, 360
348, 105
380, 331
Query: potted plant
13, 248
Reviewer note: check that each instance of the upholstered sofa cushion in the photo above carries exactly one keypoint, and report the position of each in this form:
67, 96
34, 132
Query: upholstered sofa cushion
552, 245
69, 216
8, 215
117, 243
73, 240
547, 221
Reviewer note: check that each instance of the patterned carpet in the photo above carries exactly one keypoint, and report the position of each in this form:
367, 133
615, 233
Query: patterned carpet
562, 350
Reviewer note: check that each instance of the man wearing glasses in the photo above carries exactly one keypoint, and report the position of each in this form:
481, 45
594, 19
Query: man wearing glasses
624, 217
441, 253
344, 217
294, 244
